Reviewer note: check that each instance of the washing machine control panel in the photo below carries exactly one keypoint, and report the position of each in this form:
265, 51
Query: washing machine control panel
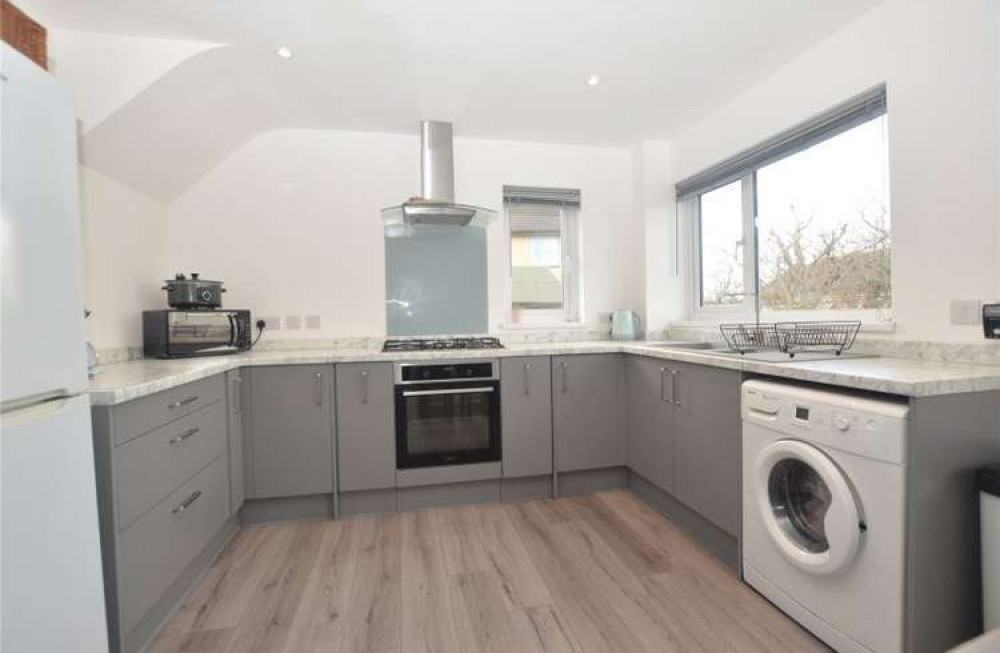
848, 422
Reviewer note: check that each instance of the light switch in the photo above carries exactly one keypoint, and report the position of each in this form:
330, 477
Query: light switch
312, 321
966, 311
293, 322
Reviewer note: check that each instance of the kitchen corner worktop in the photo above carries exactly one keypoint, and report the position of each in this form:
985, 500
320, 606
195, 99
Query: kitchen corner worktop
120, 382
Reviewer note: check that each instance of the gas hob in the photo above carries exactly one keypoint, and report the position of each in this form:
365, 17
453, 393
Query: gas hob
441, 344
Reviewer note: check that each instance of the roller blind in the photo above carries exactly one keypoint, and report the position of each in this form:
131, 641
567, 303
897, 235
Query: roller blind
538, 210
535, 218
524, 194
860, 109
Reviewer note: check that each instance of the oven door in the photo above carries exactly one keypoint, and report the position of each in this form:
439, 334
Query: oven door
448, 423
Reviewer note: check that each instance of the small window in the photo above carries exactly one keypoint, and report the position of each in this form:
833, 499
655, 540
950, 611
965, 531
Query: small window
542, 228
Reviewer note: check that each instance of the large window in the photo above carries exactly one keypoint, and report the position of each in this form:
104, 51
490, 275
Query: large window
801, 230
542, 228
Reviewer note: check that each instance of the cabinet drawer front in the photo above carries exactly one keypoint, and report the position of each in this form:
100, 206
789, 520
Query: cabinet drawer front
134, 418
156, 549
152, 466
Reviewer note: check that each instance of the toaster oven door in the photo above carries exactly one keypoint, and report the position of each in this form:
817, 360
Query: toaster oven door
201, 332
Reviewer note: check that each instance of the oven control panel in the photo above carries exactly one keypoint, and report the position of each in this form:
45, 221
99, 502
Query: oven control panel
407, 373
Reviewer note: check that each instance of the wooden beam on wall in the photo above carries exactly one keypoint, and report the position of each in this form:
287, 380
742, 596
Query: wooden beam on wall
23, 33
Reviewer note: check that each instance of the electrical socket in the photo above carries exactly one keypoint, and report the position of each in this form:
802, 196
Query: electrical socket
273, 322
966, 311
312, 321
293, 322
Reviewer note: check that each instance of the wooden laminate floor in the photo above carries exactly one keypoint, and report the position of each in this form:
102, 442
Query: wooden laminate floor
595, 573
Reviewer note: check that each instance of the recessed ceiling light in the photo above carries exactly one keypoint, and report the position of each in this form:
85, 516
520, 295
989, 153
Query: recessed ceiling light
593, 80
284, 52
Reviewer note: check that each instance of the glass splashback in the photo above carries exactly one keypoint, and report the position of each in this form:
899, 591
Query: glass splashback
435, 280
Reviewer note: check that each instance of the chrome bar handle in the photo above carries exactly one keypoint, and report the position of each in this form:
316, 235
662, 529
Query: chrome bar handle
237, 395
565, 376
183, 402
674, 390
187, 502
319, 388
527, 379
364, 386
446, 391
185, 435
663, 383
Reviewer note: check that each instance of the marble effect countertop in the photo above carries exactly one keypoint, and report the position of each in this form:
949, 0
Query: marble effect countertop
120, 382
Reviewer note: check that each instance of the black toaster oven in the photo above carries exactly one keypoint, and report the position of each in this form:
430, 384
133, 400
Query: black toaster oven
171, 333
991, 320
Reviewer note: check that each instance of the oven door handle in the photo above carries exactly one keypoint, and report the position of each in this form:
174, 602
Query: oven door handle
446, 391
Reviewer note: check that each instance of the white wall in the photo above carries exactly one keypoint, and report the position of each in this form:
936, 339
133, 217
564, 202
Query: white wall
610, 236
291, 221
664, 260
125, 66
123, 235
939, 60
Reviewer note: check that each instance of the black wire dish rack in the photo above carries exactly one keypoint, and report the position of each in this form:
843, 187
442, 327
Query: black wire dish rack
835, 336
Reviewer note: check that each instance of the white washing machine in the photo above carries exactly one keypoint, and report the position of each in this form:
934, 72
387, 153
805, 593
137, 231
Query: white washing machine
824, 511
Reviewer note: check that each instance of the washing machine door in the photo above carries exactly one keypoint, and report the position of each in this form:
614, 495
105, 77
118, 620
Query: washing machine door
808, 506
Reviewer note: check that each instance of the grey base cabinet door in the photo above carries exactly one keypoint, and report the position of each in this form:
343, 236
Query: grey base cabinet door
234, 428
366, 437
707, 446
290, 430
586, 411
649, 421
526, 415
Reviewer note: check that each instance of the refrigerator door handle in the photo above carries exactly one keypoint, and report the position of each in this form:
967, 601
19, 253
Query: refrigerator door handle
38, 410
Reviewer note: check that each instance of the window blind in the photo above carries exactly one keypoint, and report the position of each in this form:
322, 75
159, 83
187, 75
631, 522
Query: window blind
534, 210
860, 109
524, 194
532, 218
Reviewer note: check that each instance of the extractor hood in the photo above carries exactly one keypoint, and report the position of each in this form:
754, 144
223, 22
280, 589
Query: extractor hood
436, 205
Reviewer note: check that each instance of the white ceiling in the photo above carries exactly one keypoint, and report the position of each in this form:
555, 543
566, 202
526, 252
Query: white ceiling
501, 69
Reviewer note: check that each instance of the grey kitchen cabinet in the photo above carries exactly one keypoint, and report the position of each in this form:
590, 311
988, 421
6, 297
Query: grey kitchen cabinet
707, 441
649, 419
526, 415
290, 430
586, 410
234, 429
163, 490
366, 437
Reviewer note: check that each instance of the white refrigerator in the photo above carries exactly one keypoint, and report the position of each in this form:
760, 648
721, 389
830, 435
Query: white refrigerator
51, 585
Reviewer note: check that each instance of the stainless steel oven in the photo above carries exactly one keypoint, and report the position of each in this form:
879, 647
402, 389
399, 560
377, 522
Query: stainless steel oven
447, 413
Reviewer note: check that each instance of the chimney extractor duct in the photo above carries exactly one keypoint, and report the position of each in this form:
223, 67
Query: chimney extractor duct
436, 205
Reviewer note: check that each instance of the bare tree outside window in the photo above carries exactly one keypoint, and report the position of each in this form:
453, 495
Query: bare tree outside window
823, 229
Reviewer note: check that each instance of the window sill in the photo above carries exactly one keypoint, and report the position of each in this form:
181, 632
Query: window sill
546, 326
